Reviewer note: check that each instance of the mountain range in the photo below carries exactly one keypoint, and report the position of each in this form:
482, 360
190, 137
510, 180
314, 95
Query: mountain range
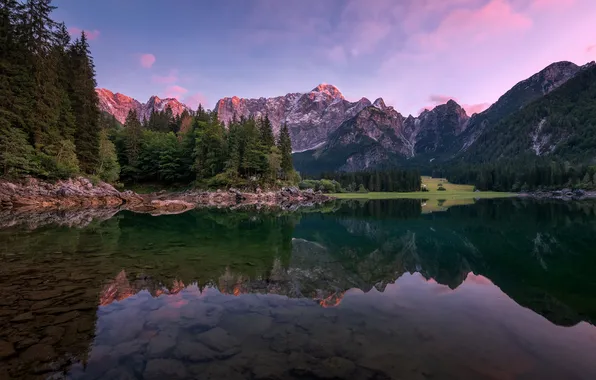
330, 133
119, 105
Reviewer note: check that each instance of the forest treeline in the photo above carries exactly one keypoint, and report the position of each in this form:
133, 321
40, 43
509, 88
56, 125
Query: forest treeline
519, 175
51, 126
49, 115
390, 180
196, 146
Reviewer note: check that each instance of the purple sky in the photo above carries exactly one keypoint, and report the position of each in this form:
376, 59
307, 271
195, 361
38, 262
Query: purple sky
413, 53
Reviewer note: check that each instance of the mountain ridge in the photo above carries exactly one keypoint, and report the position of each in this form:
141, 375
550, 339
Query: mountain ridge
442, 134
333, 133
119, 105
310, 116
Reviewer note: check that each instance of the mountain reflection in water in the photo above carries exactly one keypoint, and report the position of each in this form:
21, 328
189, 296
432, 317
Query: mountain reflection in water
499, 289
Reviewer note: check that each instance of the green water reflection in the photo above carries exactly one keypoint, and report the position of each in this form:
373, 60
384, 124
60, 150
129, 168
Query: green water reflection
72, 296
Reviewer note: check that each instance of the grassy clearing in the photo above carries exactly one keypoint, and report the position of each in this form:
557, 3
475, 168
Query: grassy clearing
452, 192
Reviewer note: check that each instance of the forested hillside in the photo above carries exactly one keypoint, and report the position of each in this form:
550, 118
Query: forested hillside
199, 147
51, 125
550, 143
561, 124
49, 119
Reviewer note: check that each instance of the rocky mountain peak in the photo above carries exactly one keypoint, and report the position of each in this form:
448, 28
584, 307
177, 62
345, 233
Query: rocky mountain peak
452, 103
119, 105
329, 90
380, 104
551, 76
452, 107
154, 99
310, 116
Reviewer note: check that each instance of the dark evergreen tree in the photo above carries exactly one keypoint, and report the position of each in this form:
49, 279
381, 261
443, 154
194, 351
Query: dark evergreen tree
284, 145
84, 102
266, 132
133, 136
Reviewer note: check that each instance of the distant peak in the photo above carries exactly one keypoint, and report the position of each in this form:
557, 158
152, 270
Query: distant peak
453, 104
561, 64
103, 90
329, 89
380, 104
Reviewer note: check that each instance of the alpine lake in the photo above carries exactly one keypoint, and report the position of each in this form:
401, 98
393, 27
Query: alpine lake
354, 289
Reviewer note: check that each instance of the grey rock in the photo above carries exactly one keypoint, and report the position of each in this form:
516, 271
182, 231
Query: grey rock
6, 349
25, 317
43, 295
27, 342
160, 346
335, 368
39, 352
194, 352
158, 369
219, 340
120, 373
66, 317
200, 316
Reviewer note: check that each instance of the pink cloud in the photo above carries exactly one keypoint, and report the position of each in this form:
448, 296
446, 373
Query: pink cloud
440, 99
474, 26
550, 4
76, 32
590, 48
194, 100
475, 108
147, 60
470, 109
172, 77
175, 92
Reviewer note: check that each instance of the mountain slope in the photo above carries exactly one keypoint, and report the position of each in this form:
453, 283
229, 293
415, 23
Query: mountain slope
311, 117
523, 93
562, 124
379, 136
119, 105
371, 138
438, 135
436, 130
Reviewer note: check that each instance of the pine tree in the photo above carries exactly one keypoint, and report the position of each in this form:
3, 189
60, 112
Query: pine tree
109, 168
233, 137
133, 136
284, 145
266, 132
210, 151
85, 104
17, 156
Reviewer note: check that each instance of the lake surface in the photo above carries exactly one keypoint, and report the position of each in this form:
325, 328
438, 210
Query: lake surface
499, 289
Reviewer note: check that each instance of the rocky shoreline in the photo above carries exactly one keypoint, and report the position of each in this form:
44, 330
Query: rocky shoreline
79, 193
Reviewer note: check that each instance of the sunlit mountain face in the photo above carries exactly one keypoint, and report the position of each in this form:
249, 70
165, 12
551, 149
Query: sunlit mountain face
491, 290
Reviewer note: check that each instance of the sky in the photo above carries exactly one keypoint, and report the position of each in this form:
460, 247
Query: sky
412, 53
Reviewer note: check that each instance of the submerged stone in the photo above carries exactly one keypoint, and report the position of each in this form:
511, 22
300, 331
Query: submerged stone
39, 352
160, 369
6, 349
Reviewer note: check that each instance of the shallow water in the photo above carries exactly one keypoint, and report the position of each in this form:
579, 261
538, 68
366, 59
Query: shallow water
501, 289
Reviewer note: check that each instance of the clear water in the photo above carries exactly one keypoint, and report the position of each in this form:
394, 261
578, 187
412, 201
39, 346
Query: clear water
501, 289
